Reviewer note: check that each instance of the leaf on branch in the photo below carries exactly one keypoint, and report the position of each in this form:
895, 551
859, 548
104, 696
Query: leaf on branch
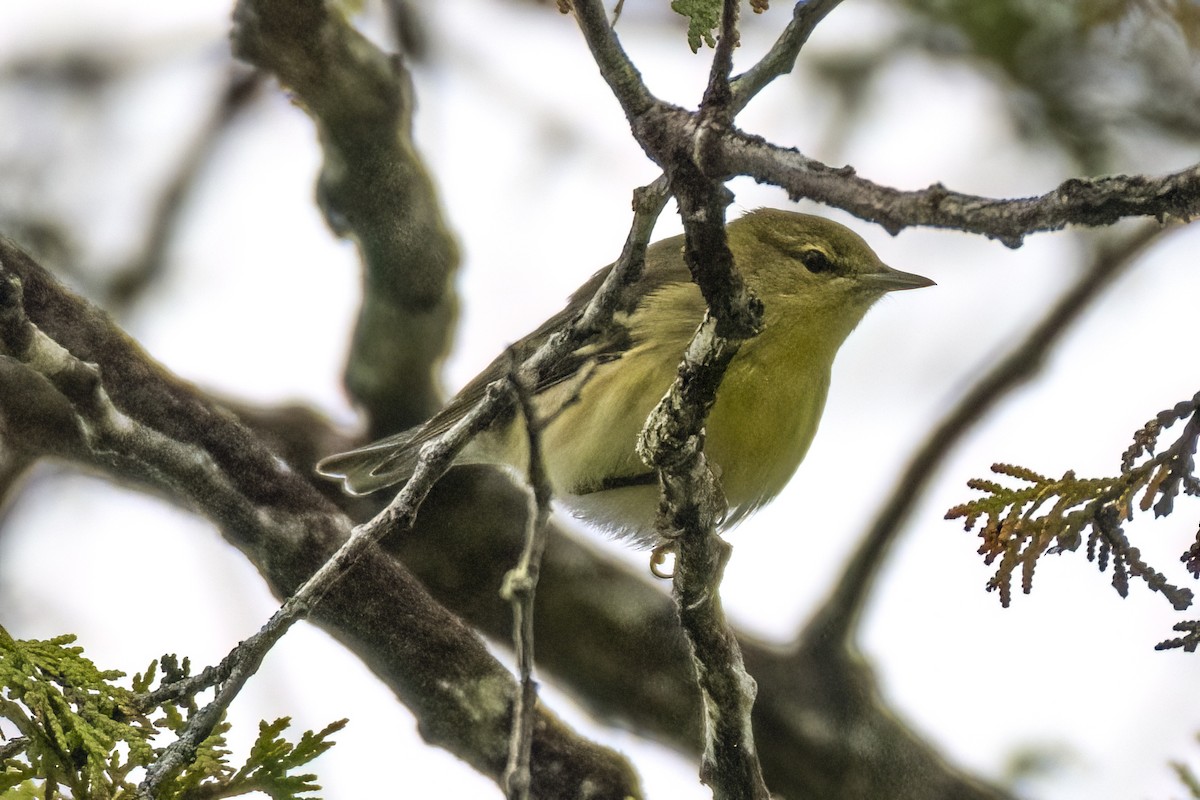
1043, 515
703, 18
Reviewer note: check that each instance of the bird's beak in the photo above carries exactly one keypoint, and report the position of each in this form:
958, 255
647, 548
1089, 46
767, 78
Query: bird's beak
893, 280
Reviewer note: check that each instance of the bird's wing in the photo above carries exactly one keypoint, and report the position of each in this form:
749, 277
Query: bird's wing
392, 460
607, 346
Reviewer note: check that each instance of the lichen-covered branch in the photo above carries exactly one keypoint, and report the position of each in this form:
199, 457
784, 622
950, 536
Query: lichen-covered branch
615, 66
520, 589
667, 133
1078, 201
673, 443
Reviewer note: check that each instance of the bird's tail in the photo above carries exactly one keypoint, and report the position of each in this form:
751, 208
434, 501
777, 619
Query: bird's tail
384, 463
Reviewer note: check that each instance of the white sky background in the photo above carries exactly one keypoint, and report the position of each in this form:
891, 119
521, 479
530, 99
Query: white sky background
536, 166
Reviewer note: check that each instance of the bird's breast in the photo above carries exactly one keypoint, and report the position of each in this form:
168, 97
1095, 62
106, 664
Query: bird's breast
761, 427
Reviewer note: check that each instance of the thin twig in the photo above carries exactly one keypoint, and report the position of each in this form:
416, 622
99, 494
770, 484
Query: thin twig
13, 747
837, 620
520, 584
243, 661
520, 589
780, 59
716, 106
613, 294
178, 690
717, 94
618, 70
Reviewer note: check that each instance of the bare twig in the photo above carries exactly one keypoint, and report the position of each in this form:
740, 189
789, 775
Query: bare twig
1078, 201
520, 589
13, 747
718, 96
780, 59
181, 689
837, 620
619, 72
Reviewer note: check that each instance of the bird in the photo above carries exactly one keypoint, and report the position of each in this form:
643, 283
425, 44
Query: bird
816, 279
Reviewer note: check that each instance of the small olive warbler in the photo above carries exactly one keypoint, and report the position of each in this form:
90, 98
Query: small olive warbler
816, 279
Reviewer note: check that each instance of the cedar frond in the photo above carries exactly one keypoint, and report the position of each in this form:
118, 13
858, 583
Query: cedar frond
1031, 515
1188, 642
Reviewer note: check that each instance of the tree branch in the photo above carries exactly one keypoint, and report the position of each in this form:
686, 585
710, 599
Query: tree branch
1078, 201
520, 589
617, 70
672, 442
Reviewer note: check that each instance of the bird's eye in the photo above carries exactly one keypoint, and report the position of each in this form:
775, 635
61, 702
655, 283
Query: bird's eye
816, 261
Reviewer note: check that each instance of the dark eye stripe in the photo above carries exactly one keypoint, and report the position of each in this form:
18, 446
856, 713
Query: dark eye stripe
815, 261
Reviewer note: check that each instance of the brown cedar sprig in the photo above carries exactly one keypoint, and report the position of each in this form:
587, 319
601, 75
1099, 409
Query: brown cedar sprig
1046, 515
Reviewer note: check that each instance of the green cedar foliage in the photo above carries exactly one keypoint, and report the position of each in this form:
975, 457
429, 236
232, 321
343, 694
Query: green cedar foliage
79, 735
